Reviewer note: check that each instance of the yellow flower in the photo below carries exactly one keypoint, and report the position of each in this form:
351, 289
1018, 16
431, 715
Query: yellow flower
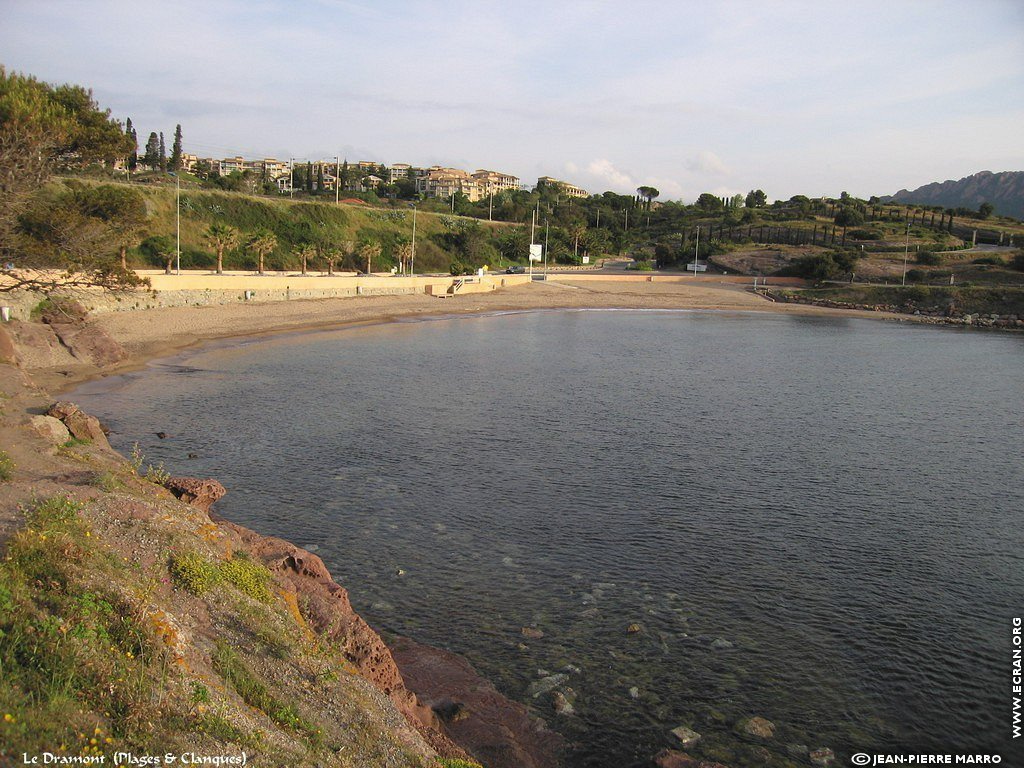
8, 717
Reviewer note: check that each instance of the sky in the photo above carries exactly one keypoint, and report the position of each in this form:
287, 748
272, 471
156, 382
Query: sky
721, 96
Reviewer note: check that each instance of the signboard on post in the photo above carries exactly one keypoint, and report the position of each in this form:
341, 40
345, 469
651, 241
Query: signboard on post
536, 252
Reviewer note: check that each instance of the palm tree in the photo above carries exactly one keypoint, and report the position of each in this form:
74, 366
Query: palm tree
404, 252
331, 256
261, 243
368, 251
221, 237
305, 252
577, 231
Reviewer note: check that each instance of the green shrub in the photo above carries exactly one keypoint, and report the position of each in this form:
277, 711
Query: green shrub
193, 572
928, 258
248, 576
994, 260
916, 275
1017, 262
6, 467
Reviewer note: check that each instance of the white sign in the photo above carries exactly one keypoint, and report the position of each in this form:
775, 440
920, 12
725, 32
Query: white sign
536, 252
586, 259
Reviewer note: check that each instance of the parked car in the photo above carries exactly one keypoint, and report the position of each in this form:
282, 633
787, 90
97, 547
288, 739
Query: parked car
515, 269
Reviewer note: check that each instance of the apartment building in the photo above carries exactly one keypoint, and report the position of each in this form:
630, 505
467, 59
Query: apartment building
493, 182
445, 182
570, 189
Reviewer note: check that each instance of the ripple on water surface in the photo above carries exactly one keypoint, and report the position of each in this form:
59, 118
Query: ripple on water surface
814, 520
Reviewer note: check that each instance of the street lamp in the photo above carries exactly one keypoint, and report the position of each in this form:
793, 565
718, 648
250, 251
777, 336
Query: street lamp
412, 260
337, 178
177, 218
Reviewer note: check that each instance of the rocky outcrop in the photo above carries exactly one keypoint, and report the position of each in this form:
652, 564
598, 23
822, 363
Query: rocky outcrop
192, 490
81, 425
64, 337
499, 732
325, 608
50, 429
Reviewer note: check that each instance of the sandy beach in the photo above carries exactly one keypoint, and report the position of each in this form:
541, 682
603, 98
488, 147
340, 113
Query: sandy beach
152, 333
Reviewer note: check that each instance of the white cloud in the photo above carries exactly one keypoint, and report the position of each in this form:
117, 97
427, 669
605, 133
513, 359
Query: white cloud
605, 170
709, 163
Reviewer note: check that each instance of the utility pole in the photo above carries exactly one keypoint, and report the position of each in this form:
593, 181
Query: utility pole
337, 178
412, 261
490, 206
547, 230
291, 183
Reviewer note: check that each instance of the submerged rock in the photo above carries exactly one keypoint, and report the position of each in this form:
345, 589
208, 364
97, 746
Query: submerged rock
532, 633
757, 727
721, 644
634, 628
546, 685
823, 757
564, 702
687, 736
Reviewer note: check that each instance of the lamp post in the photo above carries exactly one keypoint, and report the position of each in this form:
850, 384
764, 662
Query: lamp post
696, 250
291, 178
337, 178
412, 259
177, 219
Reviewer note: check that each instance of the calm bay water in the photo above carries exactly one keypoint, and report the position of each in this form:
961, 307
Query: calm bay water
818, 521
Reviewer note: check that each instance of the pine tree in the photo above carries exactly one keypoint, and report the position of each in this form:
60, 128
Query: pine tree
176, 149
163, 153
152, 156
133, 155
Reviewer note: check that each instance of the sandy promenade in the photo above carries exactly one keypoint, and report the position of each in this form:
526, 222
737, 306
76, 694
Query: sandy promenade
152, 333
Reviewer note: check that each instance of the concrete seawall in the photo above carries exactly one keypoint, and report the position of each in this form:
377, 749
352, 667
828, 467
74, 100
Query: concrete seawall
201, 288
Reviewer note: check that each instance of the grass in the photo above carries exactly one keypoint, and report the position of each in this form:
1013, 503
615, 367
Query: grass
69, 649
230, 666
6, 467
1003, 300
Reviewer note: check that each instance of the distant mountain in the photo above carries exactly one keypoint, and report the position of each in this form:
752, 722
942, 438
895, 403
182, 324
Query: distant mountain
1004, 190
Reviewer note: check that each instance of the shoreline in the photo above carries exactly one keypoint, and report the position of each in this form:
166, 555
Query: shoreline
149, 334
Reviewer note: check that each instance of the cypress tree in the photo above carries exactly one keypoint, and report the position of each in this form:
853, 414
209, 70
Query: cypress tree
163, 153
152, 156
176, 149
320, 177
309, 176
133, 156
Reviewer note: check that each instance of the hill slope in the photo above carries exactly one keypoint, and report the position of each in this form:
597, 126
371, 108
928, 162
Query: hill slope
1004, 190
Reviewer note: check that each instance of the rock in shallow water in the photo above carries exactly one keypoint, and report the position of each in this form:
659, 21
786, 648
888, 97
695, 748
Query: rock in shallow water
757, 727
823, 757
687, 736
546, 684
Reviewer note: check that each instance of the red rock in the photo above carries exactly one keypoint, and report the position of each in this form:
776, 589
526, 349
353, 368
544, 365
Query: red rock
500, 733
192, 490
62, 409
